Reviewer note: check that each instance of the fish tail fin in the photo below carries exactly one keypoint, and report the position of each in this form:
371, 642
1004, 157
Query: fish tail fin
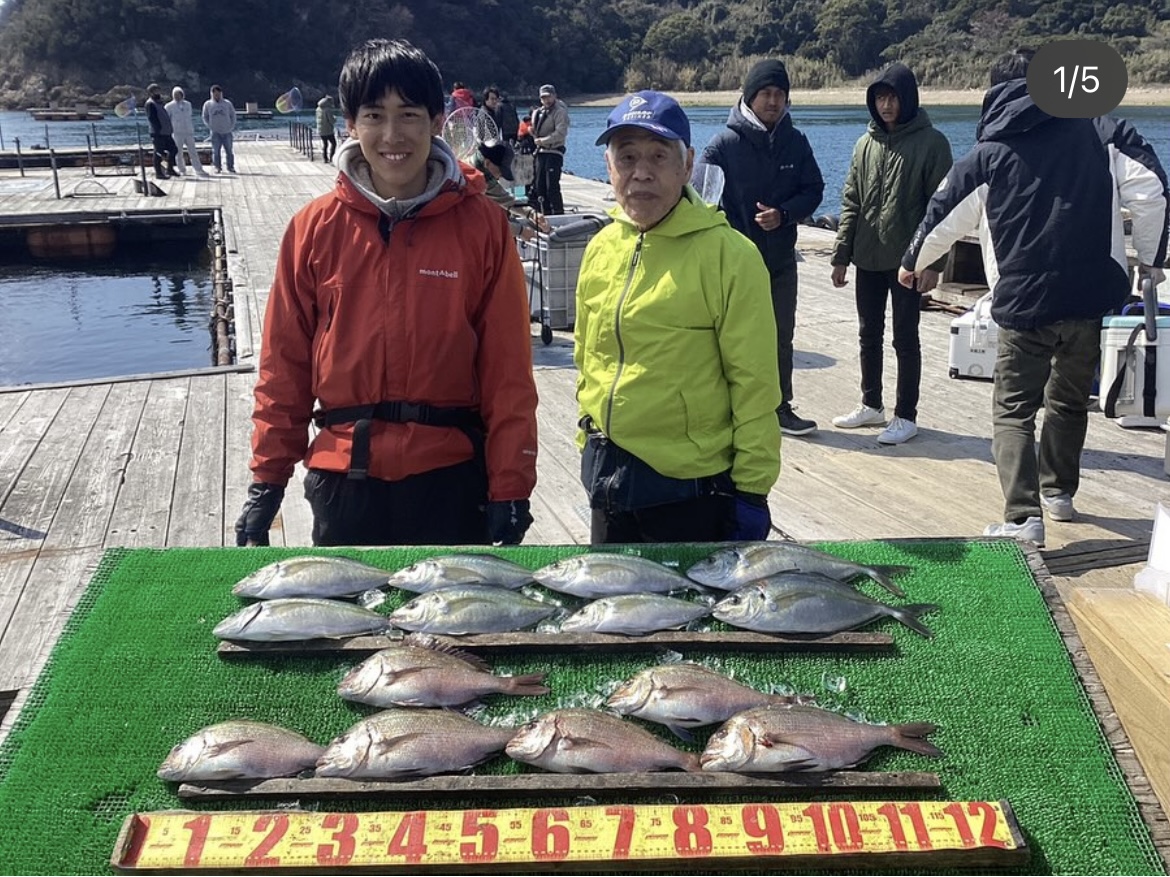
883, 575
532, 683
913, 736
908, 615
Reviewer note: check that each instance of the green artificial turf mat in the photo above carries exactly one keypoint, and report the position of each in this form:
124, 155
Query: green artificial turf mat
136, 671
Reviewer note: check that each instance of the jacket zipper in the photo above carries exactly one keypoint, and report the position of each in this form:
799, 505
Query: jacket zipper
617, 330
885, 148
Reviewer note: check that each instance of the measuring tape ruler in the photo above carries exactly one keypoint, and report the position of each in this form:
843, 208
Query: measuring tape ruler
927, 832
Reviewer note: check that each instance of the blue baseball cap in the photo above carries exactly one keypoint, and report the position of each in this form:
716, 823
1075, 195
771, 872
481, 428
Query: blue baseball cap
652, 111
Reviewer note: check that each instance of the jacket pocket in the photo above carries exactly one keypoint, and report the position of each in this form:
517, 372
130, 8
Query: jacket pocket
703, 423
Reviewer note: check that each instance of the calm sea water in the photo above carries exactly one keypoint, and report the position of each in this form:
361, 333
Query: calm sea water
122, 316
112, 131
832, 131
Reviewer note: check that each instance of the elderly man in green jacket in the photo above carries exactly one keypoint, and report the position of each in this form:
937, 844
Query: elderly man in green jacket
677, 387
897, 164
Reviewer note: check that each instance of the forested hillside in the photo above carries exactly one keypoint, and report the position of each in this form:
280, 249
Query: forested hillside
95, 50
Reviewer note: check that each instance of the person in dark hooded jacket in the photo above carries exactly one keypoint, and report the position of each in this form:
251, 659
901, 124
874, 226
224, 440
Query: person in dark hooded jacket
897, 164
1040, 193
771, 182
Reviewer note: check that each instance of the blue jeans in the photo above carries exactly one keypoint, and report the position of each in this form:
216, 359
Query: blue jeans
1051, 368
222, 141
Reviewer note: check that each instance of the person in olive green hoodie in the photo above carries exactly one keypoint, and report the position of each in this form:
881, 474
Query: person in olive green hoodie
897, 164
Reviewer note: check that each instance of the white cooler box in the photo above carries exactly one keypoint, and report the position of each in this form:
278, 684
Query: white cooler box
1124, 350
974, 342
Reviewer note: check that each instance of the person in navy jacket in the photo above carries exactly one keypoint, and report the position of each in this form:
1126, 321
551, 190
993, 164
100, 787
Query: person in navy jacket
771, 182
1040, 192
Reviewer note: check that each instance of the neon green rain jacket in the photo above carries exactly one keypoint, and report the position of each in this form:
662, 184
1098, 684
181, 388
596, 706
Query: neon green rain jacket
676, 346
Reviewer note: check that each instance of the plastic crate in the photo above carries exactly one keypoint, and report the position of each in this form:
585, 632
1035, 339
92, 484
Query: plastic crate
553, 260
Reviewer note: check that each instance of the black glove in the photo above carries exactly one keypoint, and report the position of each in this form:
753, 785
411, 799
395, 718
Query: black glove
753, 521
260, 509
508, 521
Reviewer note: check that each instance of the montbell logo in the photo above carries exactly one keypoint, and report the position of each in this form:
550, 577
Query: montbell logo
439, 272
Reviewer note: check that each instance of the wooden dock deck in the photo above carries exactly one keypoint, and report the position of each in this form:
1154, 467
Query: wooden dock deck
162, 461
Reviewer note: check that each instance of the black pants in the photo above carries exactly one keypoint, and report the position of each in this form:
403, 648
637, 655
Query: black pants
164, 147
328, 146
441, 507
873, 287
546, 188
784, 307
705, 519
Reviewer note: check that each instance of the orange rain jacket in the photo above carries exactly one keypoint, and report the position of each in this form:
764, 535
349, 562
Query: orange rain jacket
434, 312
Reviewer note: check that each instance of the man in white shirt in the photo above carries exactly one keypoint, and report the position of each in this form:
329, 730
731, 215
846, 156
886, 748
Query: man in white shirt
179, 109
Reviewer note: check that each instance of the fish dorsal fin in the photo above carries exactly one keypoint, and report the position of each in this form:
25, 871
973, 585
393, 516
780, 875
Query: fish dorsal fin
434, 644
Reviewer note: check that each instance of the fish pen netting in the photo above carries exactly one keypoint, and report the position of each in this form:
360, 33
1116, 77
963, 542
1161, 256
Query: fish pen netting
136, 672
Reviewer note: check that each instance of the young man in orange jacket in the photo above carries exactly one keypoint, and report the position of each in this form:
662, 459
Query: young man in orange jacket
398, 323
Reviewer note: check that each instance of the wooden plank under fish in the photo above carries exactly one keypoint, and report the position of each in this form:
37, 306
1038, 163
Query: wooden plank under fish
529, 785
534, 641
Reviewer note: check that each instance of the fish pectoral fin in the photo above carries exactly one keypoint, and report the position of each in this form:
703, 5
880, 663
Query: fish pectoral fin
582, 743
227, 746
798, 764
682, 733
774, 739
386, 744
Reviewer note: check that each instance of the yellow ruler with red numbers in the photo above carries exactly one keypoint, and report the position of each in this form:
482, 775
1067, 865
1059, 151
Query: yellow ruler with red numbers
603, 837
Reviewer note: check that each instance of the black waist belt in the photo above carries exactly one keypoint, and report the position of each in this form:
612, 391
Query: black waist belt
467, 420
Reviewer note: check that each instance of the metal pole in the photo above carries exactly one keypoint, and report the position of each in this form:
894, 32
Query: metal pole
47, 143
1, 138
56, 182
93, 127
19, 157
89, 156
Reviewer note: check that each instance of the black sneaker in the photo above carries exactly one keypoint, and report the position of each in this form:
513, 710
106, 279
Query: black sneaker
793, 424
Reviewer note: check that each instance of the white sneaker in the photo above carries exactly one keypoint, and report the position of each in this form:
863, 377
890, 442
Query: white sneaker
900, 430
862, 415
1059, 506
1031, 530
